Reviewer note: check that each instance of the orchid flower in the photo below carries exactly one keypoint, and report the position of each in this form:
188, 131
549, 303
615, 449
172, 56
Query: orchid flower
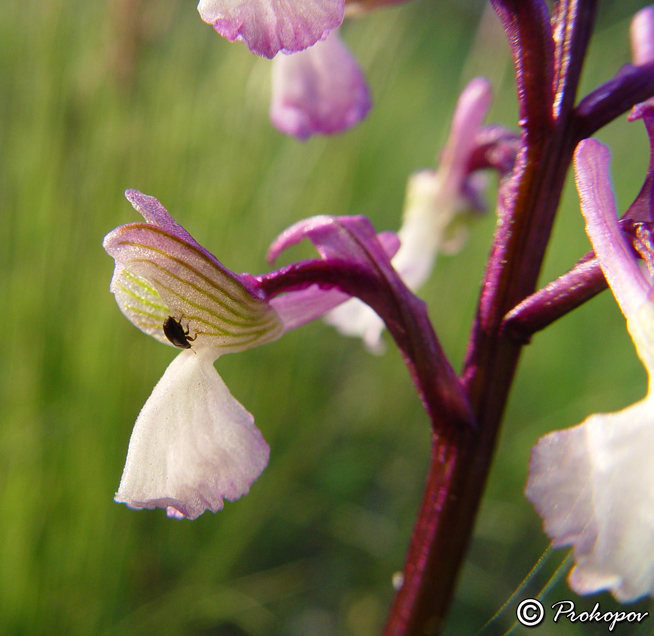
317, 86
193, 444
593, 484
438, 208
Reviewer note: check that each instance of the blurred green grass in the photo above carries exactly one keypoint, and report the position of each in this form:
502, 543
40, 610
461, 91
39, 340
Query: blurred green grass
99, 97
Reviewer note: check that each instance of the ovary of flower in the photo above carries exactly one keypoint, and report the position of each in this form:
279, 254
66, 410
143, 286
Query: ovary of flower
193, 444
593, 484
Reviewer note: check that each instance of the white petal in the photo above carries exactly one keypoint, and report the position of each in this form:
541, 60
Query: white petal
594, 487
354, 318
193, 444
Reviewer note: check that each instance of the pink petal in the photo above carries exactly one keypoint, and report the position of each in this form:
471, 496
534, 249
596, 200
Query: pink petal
321, 90
270, 26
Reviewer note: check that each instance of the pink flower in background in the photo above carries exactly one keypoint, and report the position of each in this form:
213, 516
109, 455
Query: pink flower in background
318, 91
318, 87
439, 206
593, 484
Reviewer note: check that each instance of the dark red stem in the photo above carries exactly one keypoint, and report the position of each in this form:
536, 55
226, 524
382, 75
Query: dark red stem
526, 210
583, 282
405, 316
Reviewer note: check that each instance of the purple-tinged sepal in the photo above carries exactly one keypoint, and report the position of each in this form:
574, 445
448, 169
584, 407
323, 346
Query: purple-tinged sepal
320, 90
348, 246
271, 26
592, 484
162, 271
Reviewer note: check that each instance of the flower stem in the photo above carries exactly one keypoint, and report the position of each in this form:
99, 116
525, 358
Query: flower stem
526, 209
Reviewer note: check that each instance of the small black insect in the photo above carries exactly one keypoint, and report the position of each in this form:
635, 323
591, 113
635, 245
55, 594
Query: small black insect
174, 331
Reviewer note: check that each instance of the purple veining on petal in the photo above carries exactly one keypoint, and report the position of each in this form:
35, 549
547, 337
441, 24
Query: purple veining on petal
270, 26
318, 91
155, 214
616, 256
162, 271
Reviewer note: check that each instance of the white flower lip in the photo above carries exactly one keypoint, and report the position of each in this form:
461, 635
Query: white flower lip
193, 444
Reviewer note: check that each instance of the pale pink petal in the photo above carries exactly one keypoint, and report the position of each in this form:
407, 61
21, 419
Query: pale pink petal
300, 307
193, 444
270, 26
357, 320
471, 110
319, 91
